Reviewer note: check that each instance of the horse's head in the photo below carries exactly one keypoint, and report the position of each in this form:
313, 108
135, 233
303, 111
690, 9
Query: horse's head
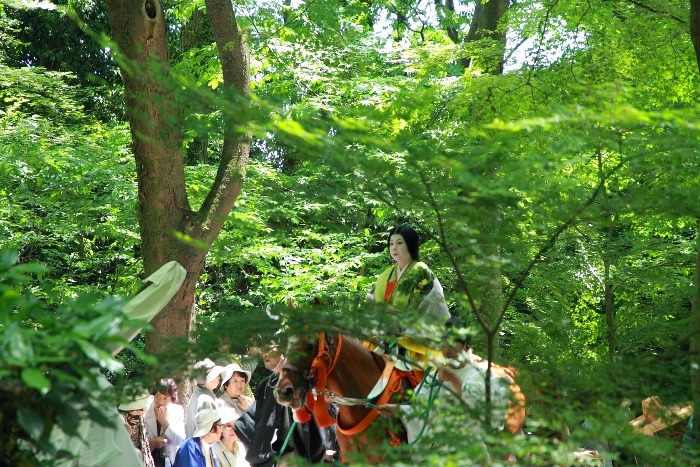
297, 375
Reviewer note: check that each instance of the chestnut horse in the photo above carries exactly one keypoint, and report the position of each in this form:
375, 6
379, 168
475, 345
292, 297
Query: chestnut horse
339, 369
342, 370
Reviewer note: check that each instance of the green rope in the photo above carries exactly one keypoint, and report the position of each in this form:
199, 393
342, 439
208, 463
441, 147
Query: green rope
432, 395
289, 436
434, 389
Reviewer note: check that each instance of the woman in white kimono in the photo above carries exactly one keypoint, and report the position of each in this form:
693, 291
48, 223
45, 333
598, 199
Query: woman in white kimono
410, 287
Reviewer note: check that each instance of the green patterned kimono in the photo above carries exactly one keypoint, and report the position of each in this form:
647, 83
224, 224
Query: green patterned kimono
417, 289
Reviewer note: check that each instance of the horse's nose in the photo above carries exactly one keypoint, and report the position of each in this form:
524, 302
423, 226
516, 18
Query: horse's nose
284, 395
287, 392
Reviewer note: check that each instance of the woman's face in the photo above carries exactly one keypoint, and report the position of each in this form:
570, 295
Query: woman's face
228, 432
235, 386
162, 399
399, 251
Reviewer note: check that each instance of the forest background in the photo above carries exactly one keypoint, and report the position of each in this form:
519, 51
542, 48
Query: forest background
546, 151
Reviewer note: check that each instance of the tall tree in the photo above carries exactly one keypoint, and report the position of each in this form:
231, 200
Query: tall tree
488, 31
695, 310
170, 228
485, 23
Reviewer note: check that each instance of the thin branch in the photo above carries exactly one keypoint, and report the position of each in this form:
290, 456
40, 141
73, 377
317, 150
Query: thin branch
443, 244
549, 244
658, 12
234, 55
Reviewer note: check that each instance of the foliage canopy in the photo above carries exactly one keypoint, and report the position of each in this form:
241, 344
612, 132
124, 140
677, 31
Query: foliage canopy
573, 175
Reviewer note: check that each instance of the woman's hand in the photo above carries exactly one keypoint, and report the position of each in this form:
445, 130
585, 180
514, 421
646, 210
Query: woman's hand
243, 402
161, 415
157, 443
450, 377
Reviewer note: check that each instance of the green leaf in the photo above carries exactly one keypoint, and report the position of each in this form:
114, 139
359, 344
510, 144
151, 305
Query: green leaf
103, 358
34, 378
19, 347
30, 420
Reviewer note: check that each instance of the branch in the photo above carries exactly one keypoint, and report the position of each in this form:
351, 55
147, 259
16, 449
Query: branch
443, 244
233, 52
549, 244
658, 12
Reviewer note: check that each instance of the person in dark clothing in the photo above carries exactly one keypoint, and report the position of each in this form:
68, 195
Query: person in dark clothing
263, 428
245, 426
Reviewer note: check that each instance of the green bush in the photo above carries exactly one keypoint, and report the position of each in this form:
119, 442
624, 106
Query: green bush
52, 358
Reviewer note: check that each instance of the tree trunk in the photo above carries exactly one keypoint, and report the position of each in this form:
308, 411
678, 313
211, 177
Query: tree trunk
695, 28
165, 216
695, 307
485, 24
485, 280
607, 254
695, 336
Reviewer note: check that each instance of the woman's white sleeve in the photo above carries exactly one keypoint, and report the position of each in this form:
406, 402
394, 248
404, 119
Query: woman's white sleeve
433, 305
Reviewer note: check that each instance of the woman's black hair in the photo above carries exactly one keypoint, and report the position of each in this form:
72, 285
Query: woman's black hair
240, 374
166, 386
409, 235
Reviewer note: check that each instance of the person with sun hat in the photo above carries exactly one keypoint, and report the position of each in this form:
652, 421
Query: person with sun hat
203, 397
197, 451
135, 403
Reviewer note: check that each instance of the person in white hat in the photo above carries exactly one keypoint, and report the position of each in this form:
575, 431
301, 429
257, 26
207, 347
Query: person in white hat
135, 403
233, 384
203, 397
197, 451
230, 450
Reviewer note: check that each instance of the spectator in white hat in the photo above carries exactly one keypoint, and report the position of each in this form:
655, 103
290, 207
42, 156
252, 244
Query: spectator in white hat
197, 451
134, 404
234, 381
203, 397
230, 450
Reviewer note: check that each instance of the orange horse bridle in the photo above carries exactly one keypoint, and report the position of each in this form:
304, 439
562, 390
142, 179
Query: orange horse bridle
316, 382
316, 377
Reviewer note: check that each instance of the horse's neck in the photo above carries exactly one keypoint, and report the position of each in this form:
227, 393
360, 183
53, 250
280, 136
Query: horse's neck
356, 371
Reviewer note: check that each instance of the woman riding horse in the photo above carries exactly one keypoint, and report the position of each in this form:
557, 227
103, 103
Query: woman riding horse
408, 287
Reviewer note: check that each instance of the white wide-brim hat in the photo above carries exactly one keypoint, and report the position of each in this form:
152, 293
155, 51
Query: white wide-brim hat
212, 371
228, 415
141, 400
228, 372
204, 419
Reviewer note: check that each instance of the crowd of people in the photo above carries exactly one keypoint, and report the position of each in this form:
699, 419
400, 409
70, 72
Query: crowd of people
225, 427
